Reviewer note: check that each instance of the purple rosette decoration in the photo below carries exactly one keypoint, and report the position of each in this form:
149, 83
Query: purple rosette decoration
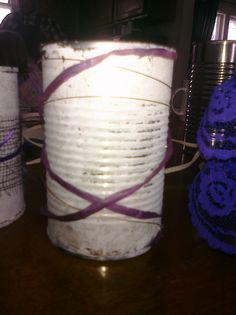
216, 136
212, 204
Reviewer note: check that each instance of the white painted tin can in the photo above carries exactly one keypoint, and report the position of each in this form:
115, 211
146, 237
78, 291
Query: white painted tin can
12, 203
105, 131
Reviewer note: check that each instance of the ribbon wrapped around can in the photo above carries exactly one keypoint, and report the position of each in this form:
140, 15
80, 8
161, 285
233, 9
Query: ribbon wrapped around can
106, 110
11, 180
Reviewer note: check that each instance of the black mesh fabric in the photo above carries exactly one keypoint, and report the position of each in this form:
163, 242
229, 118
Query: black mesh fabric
10, 157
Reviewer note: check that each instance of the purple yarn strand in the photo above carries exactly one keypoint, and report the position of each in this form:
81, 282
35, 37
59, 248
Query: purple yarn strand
11, 155
7, 137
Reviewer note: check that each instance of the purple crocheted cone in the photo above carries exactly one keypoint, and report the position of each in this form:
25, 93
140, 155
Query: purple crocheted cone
216, 136
212, 204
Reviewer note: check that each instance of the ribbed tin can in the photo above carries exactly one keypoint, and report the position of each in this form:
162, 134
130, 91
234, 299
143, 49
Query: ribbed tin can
105, 131
212, 63
11, 181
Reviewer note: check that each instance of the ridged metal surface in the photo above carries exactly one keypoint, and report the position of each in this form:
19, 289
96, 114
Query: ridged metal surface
212, 63
106, 130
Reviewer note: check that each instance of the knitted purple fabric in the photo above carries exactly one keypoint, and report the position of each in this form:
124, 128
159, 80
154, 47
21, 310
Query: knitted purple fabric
212, 204
216, 136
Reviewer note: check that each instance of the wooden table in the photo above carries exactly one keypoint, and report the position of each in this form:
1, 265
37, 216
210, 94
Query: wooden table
179, 275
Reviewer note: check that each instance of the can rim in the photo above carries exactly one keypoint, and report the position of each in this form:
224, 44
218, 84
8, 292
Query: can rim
118, 45
8, 69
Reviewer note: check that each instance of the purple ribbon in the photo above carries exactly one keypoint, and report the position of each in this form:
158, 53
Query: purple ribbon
110, 202
13, 154
7, 137
89, 63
